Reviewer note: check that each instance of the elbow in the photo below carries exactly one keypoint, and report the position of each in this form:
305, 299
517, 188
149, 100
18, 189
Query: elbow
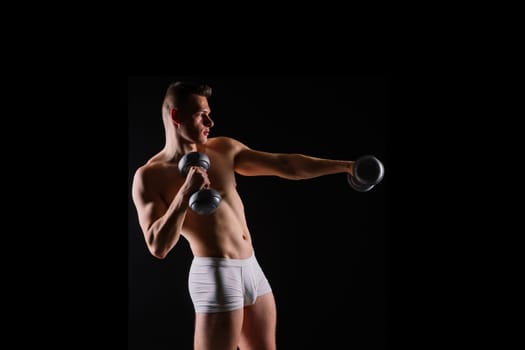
294, 173
156, 246
158, 252
159, 245
288, 169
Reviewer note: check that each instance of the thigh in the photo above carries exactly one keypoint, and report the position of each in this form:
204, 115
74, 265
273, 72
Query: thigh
216, 288
259, 324
218, 330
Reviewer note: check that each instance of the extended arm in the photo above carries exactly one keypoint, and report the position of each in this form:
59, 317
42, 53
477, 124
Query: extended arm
291, 166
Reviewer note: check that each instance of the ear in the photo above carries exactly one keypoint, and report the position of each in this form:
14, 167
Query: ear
174, 117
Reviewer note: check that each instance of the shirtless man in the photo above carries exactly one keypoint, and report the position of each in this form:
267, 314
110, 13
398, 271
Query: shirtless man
233, 301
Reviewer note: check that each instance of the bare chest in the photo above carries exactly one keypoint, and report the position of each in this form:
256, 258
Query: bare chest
220, 173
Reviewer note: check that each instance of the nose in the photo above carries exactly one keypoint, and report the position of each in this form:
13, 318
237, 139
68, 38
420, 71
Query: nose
207, 121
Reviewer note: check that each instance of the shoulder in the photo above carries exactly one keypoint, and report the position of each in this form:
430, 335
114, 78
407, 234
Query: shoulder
224, 143
147, 173
143, 171
140, 176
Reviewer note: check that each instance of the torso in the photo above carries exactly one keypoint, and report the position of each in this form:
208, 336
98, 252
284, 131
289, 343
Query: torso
225, 232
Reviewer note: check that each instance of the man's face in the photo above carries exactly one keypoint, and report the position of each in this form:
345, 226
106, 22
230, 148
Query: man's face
196, 120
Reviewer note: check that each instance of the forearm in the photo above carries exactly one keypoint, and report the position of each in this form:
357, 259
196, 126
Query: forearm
299, 166
165, 232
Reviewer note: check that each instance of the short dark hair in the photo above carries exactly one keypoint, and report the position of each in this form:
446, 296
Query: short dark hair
177, 93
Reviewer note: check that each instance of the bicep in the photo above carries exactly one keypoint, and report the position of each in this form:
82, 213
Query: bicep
149, 205
249, 162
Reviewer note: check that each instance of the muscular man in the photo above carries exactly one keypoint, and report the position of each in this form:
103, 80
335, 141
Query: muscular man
233, 301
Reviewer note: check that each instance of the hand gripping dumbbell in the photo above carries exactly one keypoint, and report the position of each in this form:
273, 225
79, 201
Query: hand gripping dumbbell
367, 172
206, 200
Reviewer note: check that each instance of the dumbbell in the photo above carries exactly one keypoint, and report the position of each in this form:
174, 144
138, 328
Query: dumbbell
206, 200
367, 172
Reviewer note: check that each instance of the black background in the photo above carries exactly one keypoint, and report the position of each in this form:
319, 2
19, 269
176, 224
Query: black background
447, 137
325, 248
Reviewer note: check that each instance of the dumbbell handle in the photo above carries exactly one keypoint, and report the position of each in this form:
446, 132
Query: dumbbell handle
204, 201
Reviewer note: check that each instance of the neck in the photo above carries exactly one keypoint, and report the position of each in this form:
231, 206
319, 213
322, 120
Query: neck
176, 146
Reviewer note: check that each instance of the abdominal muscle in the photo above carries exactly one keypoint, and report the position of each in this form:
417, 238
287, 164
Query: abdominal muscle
223, 234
